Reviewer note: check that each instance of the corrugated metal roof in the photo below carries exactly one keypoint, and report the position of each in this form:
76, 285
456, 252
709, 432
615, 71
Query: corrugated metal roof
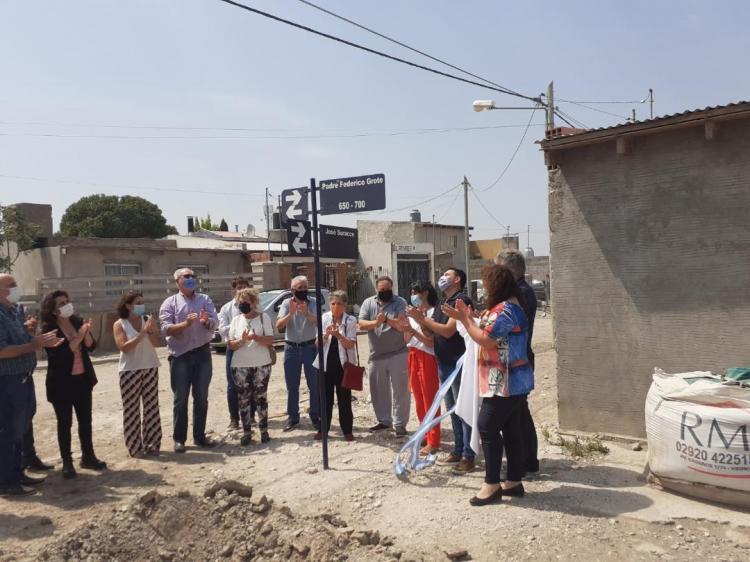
643, 124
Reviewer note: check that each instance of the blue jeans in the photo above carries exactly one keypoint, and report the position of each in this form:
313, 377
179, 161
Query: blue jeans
461, 429
233, 402
190, 370
294, 359
29, 450
15, 404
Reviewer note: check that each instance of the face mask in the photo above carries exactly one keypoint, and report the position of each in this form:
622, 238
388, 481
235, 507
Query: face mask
66, 311
444, 282
245, 307
139, 309
416, 300
14, 294
385, 296
189, 283
300, 295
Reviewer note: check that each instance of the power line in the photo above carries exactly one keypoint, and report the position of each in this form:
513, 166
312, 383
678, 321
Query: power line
513, 156
595, 109
412, 206
365, 134
375, 52
572, 121
644, 100
124, 186
486, 208
401, 44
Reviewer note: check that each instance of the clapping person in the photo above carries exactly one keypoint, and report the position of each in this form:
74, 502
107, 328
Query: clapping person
339, 348
504, 379
137, 336
250, 336
423, 370
70, 378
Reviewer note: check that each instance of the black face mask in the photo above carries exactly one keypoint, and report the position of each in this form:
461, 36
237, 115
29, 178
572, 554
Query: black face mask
301, 295
245, 307
385, 296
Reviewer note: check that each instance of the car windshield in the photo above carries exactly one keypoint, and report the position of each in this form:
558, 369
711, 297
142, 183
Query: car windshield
267, 297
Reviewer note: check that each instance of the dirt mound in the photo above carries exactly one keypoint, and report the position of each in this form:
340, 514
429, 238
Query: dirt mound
226, 523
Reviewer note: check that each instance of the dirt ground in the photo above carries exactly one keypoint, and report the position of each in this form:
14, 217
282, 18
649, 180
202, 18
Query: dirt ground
574, 509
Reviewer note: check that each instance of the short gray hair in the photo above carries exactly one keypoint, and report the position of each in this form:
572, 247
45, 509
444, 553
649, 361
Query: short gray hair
178, 272
340, 296
298, 279
513, 260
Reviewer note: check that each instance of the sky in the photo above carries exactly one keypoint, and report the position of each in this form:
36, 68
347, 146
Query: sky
199, 106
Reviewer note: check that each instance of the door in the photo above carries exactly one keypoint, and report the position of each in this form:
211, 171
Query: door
411, 268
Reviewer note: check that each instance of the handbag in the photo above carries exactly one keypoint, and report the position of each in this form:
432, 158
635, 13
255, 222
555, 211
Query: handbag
271, 348
353, 374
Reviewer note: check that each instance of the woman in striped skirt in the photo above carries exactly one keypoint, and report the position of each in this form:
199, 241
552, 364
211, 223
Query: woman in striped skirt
136, 336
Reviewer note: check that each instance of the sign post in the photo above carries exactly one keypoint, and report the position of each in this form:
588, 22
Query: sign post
318, 314
337, 196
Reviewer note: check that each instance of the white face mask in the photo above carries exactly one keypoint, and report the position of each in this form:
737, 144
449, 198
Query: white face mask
14, 294
66, 311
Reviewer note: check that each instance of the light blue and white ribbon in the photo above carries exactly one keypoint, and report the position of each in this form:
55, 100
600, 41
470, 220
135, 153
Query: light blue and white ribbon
412, 446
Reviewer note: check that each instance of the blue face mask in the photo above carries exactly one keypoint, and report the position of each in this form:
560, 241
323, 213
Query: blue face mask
139, 309
189, 283
416, 300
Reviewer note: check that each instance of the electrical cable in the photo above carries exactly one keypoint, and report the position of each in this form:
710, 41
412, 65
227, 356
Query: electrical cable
445, 210
575, 122
401, 44
595, 109
513, 156
133, 187
412, 206
376, 52
486, 208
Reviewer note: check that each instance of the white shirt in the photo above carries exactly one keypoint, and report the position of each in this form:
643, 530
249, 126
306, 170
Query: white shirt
414, 342
143, 356
228, 312
253, 353
348, 329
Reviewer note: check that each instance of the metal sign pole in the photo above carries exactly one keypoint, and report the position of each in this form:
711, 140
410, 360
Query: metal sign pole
319, 312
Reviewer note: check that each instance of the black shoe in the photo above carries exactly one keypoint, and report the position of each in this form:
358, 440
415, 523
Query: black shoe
205, 443
495, 497
290, 425
92, 463
319, 436
516, 491
246, 439
27, 480
264, 437
16, 491
68, 470
179, 447
35, 463
379, 427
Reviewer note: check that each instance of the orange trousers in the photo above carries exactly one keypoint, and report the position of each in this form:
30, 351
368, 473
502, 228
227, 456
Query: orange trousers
424, 383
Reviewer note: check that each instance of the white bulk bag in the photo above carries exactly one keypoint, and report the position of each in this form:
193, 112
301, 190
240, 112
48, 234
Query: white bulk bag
698, 430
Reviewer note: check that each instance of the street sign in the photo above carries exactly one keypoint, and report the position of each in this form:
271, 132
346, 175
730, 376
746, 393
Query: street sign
352, 195
338, 242
294, 205
298, 238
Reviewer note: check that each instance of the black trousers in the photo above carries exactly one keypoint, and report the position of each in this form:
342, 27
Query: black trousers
78, 399
334, 377
529, 439
500, 426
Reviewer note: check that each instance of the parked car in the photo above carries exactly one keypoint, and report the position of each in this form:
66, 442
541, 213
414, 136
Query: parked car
270, 303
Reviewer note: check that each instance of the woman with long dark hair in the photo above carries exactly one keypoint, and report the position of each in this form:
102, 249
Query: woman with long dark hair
504, 378
137, 336
70, 378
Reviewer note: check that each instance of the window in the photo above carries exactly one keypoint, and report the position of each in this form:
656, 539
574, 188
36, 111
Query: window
115, 287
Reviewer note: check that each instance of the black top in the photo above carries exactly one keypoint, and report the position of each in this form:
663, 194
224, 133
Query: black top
333, 361
60, 363
529, 308
448, 350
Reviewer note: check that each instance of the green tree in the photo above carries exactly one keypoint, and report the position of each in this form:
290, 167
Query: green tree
207, 224
16, 236
223, 226
110, 216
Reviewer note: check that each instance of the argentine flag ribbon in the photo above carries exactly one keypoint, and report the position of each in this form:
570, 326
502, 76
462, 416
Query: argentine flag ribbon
410, 450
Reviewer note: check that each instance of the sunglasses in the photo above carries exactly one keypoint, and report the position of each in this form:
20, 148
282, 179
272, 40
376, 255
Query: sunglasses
188, 276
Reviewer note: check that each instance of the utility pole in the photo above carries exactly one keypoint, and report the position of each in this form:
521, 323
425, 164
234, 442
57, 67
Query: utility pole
268, 227
528, 236
465, 183
281, 245
551, 106
433, 250
651, 101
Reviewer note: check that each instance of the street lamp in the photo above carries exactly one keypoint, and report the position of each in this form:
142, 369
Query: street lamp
481, 105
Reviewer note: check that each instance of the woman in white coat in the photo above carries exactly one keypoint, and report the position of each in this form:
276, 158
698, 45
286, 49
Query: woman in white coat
339, 341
